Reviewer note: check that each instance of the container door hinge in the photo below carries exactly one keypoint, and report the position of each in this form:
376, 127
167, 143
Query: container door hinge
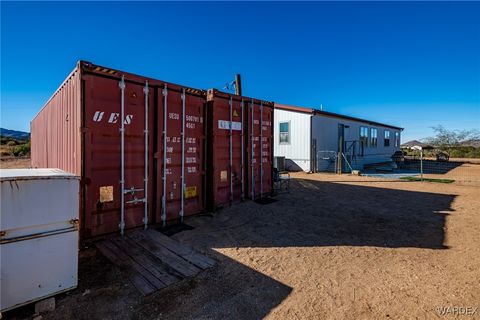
74, 223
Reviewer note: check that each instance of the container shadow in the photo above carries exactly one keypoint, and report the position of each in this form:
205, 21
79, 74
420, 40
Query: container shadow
231, 290
319, 213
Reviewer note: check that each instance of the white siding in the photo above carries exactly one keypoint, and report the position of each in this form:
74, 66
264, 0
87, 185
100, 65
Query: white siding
298, 149
325, 131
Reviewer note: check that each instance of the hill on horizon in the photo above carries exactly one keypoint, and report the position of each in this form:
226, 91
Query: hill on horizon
20, 135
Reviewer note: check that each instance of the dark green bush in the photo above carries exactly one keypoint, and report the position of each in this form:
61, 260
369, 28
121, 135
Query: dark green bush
21, 150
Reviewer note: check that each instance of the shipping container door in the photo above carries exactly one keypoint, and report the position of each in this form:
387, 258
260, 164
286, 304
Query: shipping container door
102, 151
180, 159
259, 150
227, 147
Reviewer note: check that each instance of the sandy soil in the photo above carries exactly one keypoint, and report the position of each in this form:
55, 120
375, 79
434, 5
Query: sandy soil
464, 160
467, 174
335, 247
15, 163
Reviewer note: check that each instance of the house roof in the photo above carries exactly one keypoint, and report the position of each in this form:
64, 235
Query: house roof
331, 114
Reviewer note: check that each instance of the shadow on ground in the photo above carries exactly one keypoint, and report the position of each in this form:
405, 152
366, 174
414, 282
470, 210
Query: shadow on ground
319, 213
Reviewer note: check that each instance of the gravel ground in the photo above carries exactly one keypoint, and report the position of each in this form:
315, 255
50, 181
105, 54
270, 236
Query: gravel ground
335, 247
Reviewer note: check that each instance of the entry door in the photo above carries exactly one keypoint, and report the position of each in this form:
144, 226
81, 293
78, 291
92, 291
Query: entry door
341, 137
104, 190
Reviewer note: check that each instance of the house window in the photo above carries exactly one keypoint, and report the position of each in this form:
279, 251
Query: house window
284, 132
363, 136
397, 139
386, 140
373, 137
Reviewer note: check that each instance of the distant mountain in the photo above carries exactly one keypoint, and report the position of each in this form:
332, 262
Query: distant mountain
472, 143
469, 143
413, 143
20, 135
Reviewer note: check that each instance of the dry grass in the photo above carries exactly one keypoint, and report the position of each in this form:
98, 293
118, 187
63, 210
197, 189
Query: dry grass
14, 163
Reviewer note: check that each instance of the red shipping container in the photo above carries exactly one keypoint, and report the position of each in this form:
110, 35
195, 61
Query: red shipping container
140, 178
240, 148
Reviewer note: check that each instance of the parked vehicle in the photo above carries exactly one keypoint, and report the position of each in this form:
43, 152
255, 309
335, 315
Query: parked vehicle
442, 156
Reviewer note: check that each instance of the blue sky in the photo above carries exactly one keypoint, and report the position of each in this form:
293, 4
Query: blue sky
412, 64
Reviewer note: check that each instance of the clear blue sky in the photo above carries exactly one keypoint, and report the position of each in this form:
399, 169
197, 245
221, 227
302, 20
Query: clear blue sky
411, 64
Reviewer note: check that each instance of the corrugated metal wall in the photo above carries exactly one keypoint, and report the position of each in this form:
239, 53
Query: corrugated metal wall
78, 131
55, 131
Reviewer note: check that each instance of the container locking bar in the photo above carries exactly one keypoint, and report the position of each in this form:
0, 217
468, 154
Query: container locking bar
122, 154
261, 149
230, 154
183, 157
253, 152
242, 105
145, 179
164, 177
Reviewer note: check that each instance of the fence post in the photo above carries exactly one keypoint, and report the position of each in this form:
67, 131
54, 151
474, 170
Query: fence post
421, 164
339, 157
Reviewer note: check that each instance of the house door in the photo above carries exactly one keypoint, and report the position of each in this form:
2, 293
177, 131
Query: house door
341, 137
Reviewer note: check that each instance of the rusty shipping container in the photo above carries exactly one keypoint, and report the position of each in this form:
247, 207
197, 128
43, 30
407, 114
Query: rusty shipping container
240, 148
148, 168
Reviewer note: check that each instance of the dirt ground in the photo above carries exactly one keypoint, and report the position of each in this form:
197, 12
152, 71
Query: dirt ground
465, 174
14, 163
335, 247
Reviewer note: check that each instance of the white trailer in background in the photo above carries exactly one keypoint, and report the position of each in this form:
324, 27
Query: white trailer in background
38, 234
310, 139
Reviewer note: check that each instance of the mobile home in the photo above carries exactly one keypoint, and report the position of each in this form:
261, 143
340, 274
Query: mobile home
310, 139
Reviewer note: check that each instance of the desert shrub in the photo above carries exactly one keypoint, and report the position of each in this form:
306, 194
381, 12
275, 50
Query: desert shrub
21, 150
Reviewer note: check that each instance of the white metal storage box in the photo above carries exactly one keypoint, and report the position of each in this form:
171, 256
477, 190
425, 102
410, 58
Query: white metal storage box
38, 234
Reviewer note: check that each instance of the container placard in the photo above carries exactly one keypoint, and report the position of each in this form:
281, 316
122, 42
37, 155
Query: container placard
224, 124
190, 192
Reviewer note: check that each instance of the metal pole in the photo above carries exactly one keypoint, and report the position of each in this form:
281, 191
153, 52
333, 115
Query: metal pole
243, 150
421, 164
261, 149
340, 154
231, 149
253, 150
145, 179
122, 155
238, 85
183, 156
164, 177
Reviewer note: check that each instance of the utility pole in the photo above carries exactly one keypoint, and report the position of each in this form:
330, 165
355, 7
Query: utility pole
238, 84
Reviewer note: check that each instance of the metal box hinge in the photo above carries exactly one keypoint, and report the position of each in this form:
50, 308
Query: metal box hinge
74, 223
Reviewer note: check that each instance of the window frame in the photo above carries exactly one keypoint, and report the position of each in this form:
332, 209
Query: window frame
397, 139
288, 132
386, 142
365, 140
372, 144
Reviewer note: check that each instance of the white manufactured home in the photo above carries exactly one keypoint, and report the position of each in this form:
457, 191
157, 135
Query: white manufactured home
310, 140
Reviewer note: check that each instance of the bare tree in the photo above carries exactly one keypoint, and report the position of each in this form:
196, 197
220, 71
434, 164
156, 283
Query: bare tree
445, 139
